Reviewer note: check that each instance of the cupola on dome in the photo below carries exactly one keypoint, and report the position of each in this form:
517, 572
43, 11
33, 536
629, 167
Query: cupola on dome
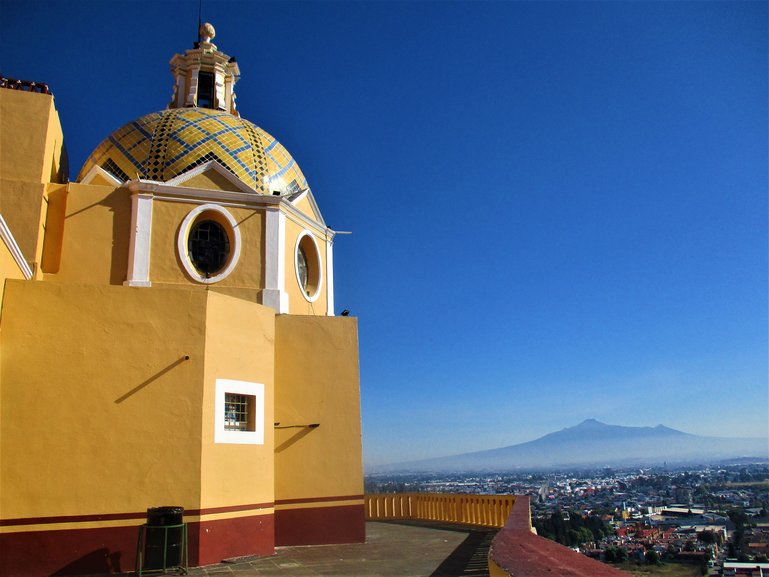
201, 125
163, 145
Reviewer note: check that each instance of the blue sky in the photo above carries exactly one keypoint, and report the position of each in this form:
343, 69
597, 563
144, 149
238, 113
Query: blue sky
559, 210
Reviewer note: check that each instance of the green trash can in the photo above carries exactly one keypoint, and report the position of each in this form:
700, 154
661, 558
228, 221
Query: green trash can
164, 538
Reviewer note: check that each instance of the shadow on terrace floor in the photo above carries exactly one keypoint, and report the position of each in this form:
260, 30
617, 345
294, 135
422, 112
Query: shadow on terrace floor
390, 550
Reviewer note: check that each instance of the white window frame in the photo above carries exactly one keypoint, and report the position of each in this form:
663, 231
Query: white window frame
184, 233
314, 296
222, 435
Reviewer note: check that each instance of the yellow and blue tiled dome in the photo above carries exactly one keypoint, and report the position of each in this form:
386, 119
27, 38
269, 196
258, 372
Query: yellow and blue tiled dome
162, 145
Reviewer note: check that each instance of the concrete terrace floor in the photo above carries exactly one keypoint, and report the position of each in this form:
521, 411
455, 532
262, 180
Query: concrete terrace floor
390, 550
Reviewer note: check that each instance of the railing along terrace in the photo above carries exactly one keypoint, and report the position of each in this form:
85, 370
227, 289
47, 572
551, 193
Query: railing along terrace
461, 508
515, 550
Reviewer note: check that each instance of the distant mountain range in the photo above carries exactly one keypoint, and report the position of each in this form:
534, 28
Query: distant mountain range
595, 444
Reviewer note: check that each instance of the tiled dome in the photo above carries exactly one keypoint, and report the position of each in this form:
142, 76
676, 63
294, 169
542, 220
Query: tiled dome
162, 145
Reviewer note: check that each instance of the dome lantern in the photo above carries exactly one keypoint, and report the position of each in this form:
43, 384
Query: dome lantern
204, 77
199, 126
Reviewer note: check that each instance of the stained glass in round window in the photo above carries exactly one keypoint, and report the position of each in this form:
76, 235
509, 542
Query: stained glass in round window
301, 265
208, 246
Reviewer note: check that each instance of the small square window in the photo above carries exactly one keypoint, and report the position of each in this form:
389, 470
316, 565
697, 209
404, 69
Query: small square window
239, 412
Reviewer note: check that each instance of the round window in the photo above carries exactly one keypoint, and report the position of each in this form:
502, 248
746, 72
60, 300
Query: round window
308, 266
208, 246
301, 265
208, 243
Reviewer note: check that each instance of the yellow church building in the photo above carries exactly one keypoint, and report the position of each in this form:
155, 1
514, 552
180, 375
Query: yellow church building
168, 337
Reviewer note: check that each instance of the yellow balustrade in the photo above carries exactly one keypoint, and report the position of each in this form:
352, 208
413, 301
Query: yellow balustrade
465, 509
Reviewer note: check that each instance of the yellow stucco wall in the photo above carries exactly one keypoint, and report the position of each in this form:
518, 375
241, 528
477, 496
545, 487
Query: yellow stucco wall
166, 268
100, 413
297, 303
31, 154
31, 141
55, 159
317, 381
240, 339
22, 207
304, 206
210, 180
8, 268
53, 238
96, 230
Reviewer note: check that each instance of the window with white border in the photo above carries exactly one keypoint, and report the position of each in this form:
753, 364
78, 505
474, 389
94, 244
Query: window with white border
253, 395
308, 266
209, 219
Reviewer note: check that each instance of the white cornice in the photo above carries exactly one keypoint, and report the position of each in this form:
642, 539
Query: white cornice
95, 171
307, 193
298, 217
13, 247
314, 205
297, 196
169, 192
163, 189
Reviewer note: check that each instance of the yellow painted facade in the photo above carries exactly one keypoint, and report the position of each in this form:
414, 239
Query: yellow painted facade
238, 345
31, 154
9, 266
302, 303
138, 419
163, 342
323, 389
31, 126
90, 243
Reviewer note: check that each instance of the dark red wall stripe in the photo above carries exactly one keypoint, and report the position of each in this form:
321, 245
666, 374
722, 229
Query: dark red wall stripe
317, 499
122, 516
320, 525
71, 519
230, 509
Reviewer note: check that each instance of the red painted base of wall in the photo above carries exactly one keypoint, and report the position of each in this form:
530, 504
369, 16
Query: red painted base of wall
320, 525
68, 552
212, 541
113, 549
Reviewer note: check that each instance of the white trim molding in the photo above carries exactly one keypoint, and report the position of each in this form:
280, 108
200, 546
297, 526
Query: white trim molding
95, 171
307, 193
184, 232
329, 277
274, 294
165, 191
13, 248
141, 240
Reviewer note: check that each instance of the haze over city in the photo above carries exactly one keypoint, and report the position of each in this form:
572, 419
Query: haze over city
558, 210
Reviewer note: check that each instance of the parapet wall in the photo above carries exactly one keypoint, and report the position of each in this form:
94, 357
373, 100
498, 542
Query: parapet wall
517, 550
